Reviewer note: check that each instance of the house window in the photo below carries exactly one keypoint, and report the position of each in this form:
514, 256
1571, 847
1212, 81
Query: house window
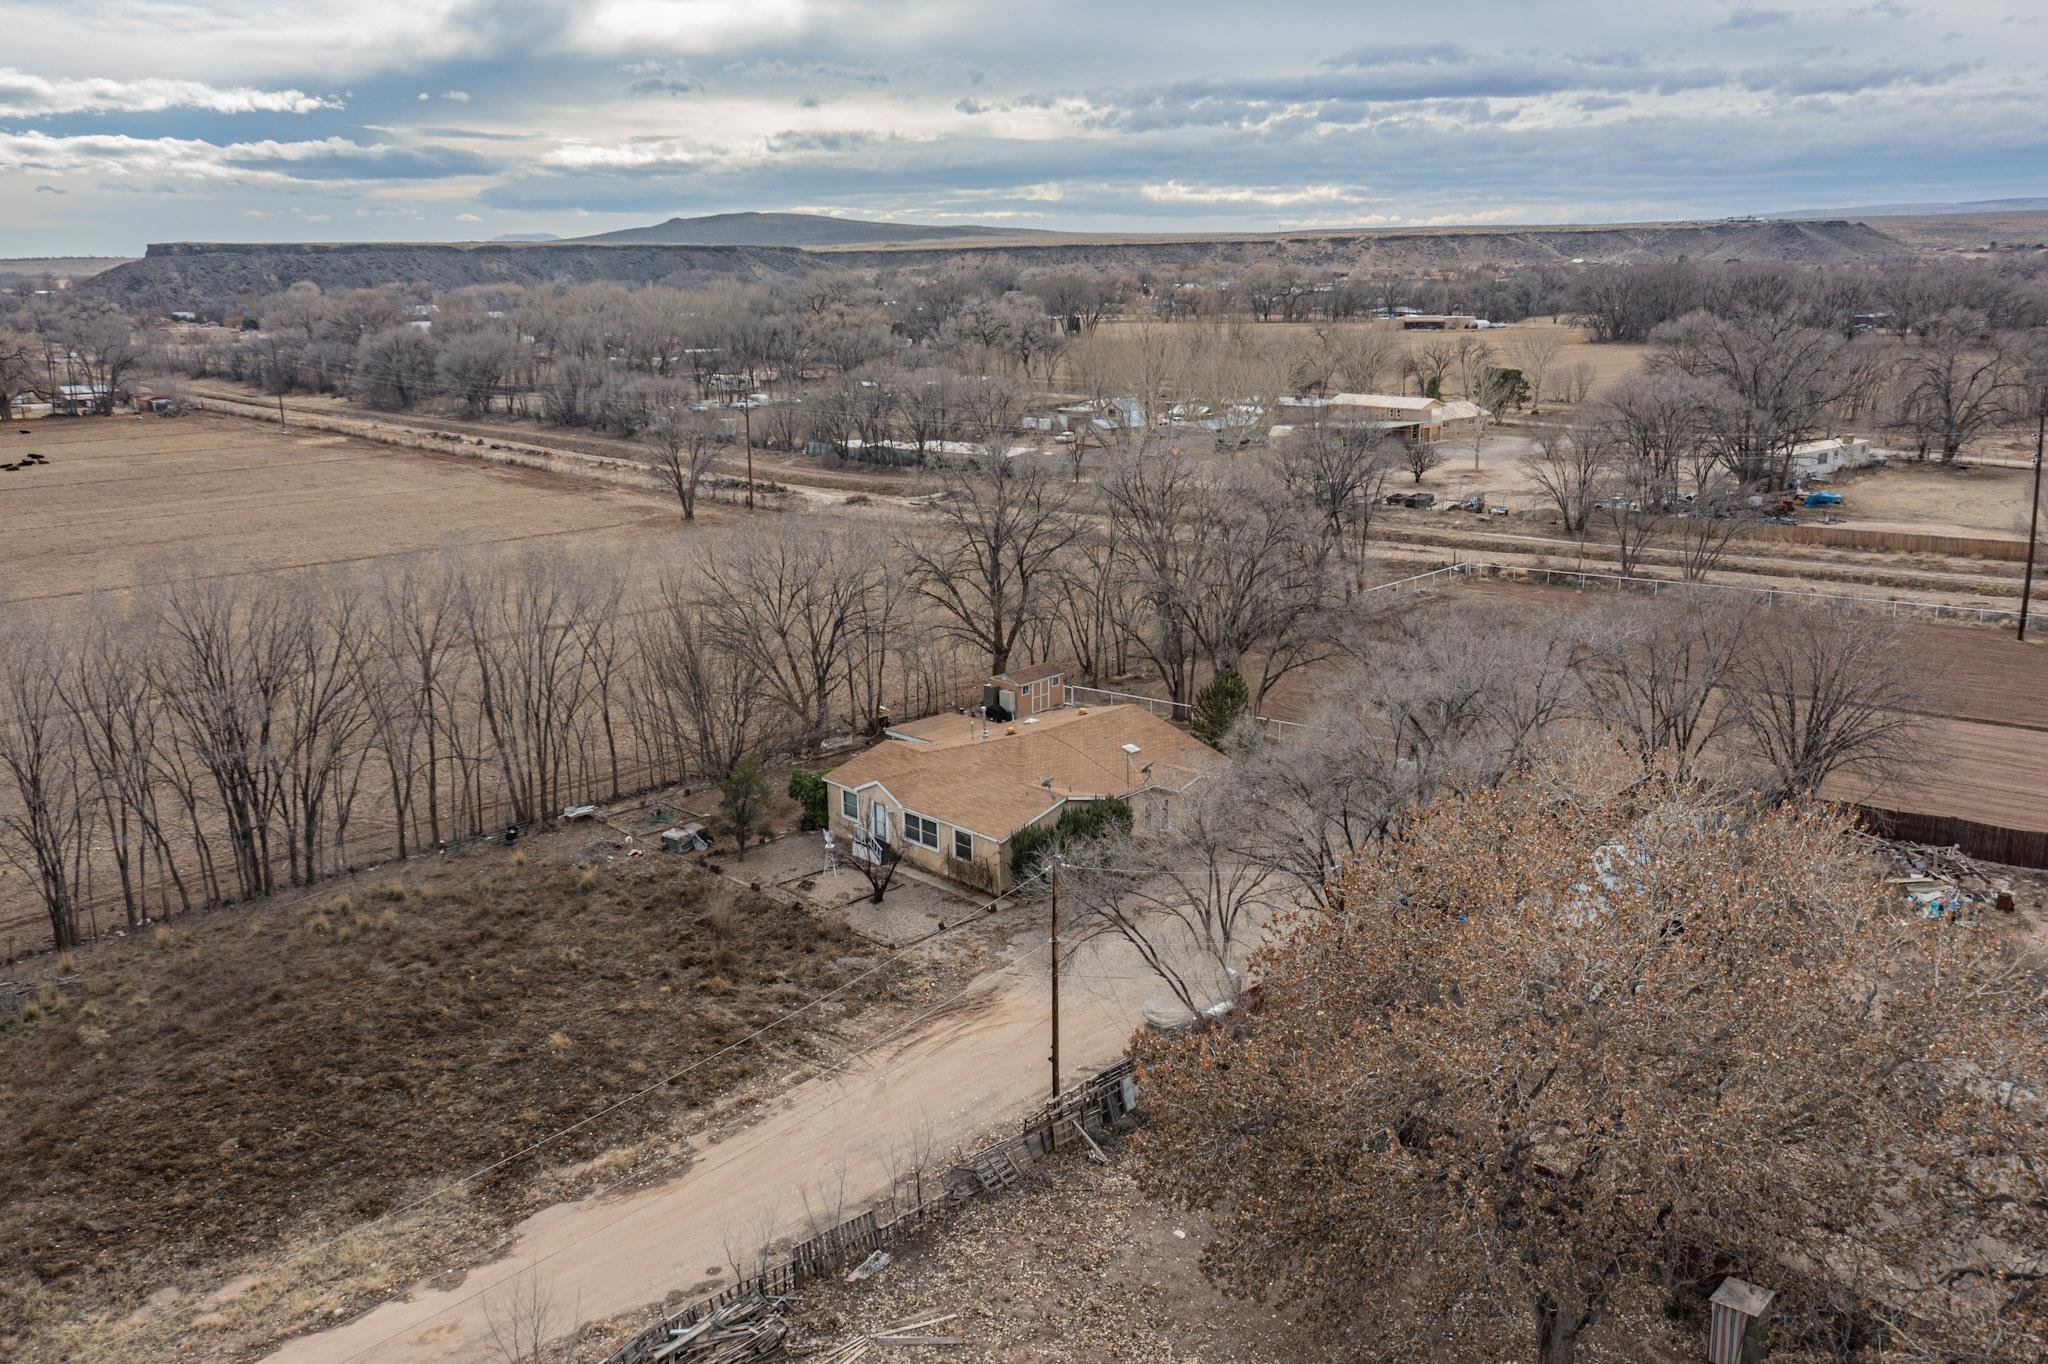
963, 845
849, 802
921, 831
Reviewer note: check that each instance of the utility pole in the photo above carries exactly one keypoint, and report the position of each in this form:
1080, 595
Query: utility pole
1055, 976
280, 407
747, 418
2034, 517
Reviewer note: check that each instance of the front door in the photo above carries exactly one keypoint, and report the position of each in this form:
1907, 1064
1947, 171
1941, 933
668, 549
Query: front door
878, 821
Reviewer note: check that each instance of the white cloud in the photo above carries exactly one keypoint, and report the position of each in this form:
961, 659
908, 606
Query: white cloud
459, 96
467, 218
1269, 196
268, 162
23, 95
692, 25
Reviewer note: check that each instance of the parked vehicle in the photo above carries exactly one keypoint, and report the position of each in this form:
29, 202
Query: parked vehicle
1421, 500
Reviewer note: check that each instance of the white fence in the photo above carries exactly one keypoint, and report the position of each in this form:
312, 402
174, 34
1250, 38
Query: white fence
1157, 705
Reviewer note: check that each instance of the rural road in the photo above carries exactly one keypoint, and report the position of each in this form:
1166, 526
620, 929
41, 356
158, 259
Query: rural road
948, 1079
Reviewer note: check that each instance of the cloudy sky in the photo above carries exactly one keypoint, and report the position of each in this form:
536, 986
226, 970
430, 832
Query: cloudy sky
129, 121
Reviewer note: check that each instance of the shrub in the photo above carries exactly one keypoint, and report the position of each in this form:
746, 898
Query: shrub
1078, 823
807, 789
1218, 706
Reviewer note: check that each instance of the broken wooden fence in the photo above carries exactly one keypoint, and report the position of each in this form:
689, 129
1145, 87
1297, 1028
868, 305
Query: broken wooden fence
1074, 1119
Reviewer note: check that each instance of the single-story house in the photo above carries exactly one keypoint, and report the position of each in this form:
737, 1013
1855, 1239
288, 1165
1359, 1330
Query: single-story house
1415, 420
951, 791
82, 400
1440, 322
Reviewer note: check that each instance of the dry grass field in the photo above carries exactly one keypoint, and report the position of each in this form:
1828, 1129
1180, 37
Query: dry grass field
1970, 500
121, 498
194, 1100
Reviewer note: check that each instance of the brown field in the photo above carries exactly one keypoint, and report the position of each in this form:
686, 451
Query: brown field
1973, 500
123, 497
192, 1101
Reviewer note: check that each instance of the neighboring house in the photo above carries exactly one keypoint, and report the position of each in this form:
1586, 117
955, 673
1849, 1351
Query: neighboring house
1440, 322
1824, 458
951, 791
1415, 420
82, 400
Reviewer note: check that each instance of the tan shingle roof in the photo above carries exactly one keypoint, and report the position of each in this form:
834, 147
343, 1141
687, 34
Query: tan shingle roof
992, 787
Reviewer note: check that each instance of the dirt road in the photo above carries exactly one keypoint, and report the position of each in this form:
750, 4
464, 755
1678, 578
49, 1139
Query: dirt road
962, 1068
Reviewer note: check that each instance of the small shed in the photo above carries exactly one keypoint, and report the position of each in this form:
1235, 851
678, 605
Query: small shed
1022, 693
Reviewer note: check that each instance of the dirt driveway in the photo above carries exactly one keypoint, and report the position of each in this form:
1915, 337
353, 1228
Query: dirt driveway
965, 1065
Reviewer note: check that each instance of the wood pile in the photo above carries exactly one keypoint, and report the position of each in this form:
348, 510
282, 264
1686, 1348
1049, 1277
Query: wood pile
740, 1332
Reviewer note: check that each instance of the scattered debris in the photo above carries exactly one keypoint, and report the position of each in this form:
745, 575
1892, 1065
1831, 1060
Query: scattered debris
914, 1331
685, 838
869, 1267
1941, 882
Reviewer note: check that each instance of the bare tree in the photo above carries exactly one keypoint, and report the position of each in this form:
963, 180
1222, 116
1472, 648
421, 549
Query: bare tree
1709, 526
991, 564
703, 704
1953, 379
43, 829
1430, 363
1184, 897
1654, 682
681, 445
1534, 348
1820, 693
793, 601
1570, 465
1341, 474
1234, 567
1418, 457
1360, 357
523, 1323
1783, 375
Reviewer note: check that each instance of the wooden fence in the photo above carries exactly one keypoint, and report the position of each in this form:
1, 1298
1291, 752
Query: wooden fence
1986, 842
1093, 1104
1895, 541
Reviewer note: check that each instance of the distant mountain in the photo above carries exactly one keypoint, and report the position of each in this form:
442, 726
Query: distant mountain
1921, 210
793, 229
527, 237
